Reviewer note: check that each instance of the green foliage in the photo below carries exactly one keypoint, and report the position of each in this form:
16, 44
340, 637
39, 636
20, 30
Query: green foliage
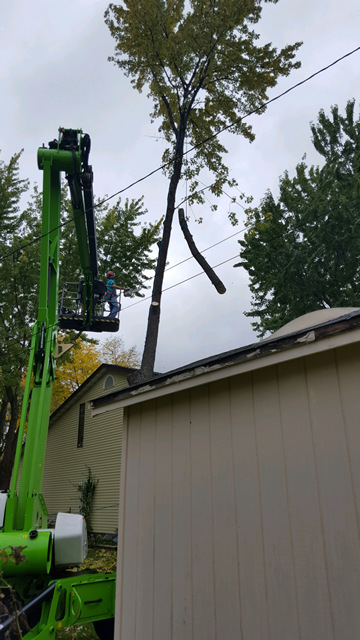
11, 189
18, 275
125, 244
203, 69
302, 252
86, 490
112, 351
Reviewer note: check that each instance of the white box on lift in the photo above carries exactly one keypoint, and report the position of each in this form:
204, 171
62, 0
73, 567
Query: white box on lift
70, 539
3, 498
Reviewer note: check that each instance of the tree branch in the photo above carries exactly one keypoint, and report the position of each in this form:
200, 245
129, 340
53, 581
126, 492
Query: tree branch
219, 286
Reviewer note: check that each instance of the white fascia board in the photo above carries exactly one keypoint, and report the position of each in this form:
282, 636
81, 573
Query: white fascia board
304, 346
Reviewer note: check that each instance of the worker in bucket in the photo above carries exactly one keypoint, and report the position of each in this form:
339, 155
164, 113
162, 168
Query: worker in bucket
110, 296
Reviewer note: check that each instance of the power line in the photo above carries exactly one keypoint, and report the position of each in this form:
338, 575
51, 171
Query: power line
225, 128
208, 139
177, 284
275, 237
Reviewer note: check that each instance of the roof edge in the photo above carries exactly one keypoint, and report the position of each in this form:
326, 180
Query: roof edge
256, 350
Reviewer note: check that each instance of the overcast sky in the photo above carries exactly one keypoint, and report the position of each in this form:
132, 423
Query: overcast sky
54, 72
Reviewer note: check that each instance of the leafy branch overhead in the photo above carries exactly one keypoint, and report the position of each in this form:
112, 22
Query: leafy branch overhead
203, 69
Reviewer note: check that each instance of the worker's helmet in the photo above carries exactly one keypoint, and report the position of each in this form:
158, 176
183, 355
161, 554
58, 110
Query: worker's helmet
110, 274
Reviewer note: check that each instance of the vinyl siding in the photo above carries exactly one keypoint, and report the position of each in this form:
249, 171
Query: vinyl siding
66, 464
239, 507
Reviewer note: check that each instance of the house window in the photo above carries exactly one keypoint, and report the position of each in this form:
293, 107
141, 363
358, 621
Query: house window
80, 440
109, 382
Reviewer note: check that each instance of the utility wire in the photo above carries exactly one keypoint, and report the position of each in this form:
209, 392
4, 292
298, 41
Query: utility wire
177, 284
225, 128
275, 237
208, 139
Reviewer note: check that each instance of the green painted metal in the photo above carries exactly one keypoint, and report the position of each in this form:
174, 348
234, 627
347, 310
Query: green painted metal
26, 509
37, 549
71, 601
77, 599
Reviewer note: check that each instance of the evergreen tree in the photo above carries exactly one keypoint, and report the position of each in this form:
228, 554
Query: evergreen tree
19, 273
302, 252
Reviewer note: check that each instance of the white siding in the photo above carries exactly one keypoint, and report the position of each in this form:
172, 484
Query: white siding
239, 508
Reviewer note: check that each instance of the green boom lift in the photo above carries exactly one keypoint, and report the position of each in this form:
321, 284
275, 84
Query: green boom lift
52, 601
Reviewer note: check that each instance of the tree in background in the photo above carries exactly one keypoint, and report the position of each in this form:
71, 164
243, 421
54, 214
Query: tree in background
72, 369
113, 351
302, 251
203, 69
124, 244
77, 364
17, 278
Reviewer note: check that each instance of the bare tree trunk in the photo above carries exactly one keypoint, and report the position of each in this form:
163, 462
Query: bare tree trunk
3, 412
149, 354
219, 286
10, 442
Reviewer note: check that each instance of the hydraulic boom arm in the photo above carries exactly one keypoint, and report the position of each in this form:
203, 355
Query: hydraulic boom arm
23, 512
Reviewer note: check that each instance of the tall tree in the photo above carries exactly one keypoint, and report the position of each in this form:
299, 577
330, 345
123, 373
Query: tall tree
18, 286
72, 369
302, 252
204, 70
12, 188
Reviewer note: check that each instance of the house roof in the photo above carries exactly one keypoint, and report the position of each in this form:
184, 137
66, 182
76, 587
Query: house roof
341, 326
92, 379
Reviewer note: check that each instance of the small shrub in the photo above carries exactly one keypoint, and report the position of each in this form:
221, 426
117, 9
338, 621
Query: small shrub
86, 490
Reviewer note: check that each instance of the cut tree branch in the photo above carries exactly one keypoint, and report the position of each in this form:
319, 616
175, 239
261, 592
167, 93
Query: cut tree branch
219, 286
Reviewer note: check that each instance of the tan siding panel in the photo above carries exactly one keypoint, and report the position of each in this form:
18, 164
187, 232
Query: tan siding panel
348, 368
254, 611
146, 542
279, 569
240, 506
182, 607
336, 495
201, 517
304, 506
227, 609
163, 551
128, 550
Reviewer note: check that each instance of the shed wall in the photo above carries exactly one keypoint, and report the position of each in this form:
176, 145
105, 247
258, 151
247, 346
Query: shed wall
239, 507
66, 464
